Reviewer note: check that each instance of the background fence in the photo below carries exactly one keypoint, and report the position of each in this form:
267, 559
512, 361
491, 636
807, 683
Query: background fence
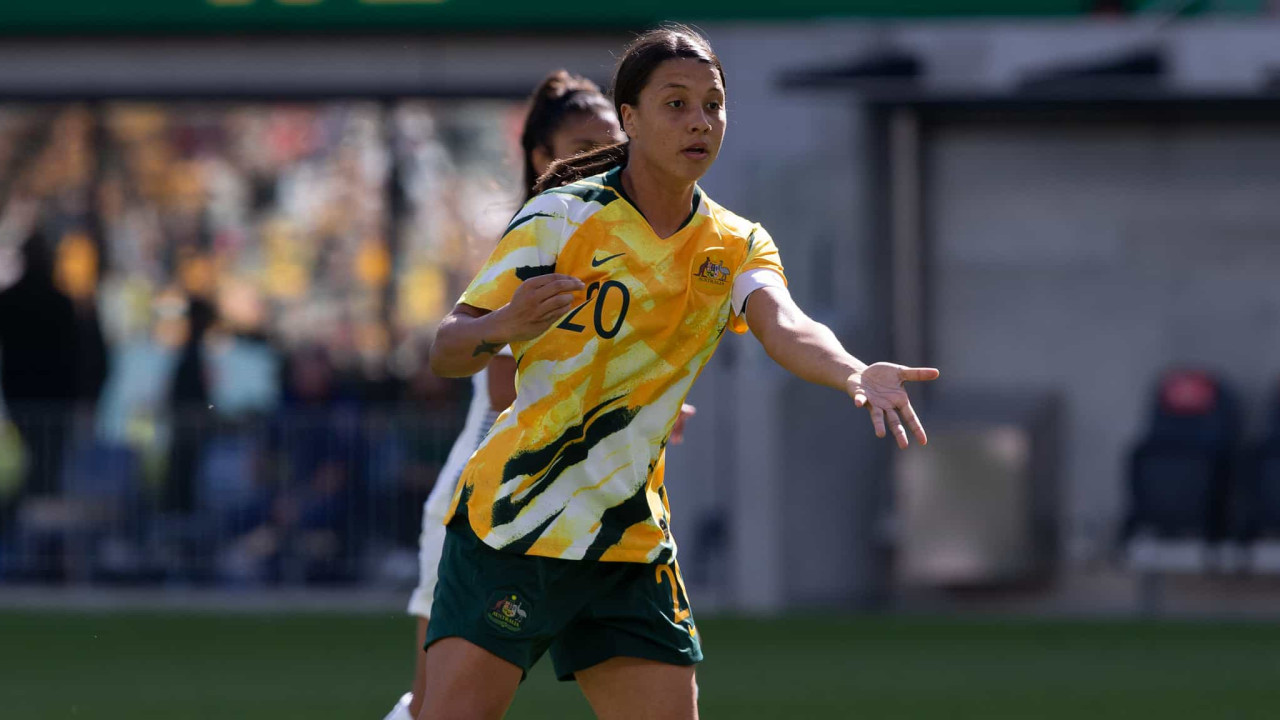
321, 497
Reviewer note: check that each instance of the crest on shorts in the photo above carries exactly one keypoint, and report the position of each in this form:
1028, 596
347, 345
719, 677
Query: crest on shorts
507, 611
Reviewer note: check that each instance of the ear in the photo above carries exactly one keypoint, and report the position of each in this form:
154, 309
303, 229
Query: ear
541, 159
628, 119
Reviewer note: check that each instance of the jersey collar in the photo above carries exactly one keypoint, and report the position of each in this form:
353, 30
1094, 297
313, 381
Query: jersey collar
613, 180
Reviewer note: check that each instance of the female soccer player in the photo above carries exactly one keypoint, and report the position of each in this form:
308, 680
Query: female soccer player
568, 115
613, 287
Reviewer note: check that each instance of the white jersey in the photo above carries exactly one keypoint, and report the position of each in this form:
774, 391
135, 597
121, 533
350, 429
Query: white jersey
480, 417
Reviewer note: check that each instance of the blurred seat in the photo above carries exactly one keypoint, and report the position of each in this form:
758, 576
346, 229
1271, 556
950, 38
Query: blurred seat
90, 529
1179, 474
228, 501
102, 472
1256, 504
107, 478
227, 478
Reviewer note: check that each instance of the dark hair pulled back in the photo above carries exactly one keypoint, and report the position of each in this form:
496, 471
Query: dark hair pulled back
639, 60
560, 95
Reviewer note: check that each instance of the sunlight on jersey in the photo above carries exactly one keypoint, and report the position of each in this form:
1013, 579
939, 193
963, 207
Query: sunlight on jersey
573, 470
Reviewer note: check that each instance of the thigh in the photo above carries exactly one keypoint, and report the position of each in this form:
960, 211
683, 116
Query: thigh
627, 688
644, 615
467, 682
495, 601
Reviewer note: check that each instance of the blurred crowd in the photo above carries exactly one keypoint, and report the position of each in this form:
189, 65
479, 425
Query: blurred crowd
213, 326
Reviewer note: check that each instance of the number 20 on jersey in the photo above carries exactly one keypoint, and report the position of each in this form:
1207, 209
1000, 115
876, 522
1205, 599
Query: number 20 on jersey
598, 293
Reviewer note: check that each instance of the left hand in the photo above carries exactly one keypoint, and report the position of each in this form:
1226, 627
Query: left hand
677, 431
879, 389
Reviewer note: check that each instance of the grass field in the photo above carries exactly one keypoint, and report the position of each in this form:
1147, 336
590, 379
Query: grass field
59, 665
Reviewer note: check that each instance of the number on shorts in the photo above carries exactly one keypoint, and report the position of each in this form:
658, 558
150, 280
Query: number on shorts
680, 615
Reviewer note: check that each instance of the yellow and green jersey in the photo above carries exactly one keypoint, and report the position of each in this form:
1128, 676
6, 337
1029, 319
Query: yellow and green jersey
574, 468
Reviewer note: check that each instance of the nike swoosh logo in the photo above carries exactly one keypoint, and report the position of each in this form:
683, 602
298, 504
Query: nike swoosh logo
597, 263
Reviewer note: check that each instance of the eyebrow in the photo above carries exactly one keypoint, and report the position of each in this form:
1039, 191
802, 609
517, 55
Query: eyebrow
681, 86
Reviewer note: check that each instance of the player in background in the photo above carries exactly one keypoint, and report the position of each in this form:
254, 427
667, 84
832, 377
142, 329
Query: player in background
567, 116
613, 287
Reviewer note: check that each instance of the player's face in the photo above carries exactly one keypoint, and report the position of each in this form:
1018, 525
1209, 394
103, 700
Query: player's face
578, 133
678, 125
582, 133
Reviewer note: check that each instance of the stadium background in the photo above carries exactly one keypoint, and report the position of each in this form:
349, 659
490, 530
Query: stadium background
1066, 206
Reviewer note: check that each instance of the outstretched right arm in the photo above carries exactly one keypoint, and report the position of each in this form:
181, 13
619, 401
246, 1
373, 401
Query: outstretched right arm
469, 336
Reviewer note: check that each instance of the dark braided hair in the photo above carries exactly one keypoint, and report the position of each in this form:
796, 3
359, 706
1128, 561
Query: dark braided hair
559, 96
639, 60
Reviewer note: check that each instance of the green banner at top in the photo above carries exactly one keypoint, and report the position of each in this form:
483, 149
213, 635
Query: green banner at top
19, 17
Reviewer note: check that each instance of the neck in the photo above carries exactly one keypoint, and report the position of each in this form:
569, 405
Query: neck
664, 203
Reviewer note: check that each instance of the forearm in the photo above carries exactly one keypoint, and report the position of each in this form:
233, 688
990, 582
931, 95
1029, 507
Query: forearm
469, 336
464, 344
807, 348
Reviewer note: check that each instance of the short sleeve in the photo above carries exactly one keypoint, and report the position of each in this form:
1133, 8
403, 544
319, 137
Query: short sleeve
762, 268
528, 248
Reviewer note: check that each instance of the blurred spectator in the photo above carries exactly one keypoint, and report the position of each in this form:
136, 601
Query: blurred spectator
318, 438
76, 276
245, 376
330, 234
144, 355
38, 371
245, 362
298, 528
189, 405
316, 427
429, 399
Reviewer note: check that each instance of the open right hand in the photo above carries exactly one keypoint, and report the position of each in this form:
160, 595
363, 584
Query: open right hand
536, 304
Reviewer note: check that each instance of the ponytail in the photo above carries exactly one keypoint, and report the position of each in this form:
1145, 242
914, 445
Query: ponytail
573, 169
560, 95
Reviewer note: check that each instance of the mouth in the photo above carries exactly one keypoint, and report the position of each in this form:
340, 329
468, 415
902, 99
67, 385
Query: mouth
697, 151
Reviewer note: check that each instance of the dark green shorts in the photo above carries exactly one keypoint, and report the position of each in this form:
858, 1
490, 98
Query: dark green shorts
517, 606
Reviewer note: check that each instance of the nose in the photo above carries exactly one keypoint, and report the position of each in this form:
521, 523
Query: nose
701, 121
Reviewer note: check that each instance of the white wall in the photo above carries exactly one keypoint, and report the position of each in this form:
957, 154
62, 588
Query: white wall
1088, 260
